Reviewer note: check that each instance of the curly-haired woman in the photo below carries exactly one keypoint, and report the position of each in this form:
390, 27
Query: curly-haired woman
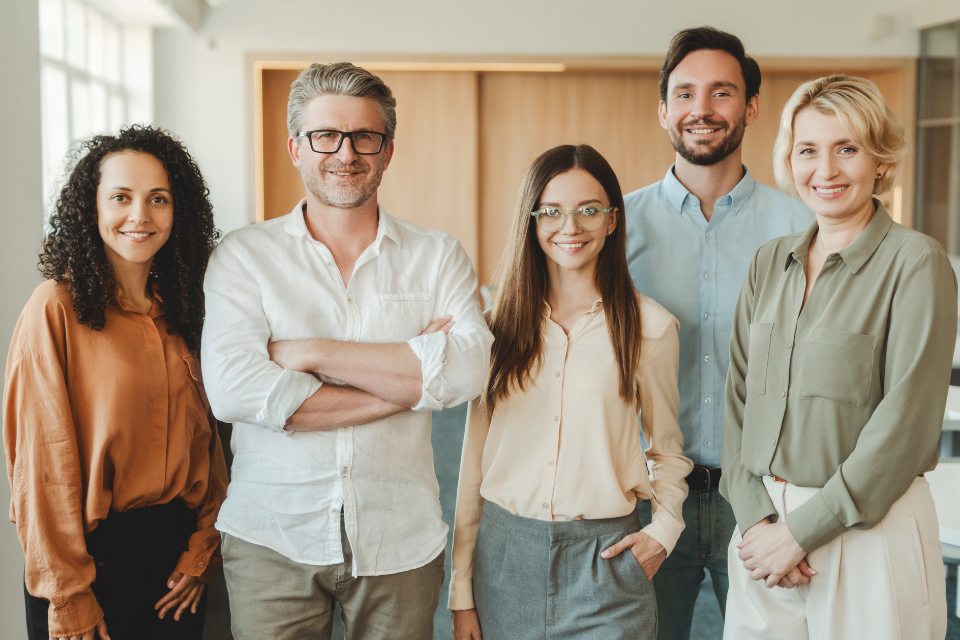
112, 453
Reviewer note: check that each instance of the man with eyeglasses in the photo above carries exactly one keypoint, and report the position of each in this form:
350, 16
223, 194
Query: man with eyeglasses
690, 239
329, 339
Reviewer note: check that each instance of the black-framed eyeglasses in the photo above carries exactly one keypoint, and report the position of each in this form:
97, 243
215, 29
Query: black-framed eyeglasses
588, 217
365, 143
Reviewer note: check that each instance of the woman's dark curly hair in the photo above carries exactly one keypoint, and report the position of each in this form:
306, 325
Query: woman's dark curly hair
73, 252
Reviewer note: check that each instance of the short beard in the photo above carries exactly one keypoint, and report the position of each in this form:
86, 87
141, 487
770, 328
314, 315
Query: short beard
708, 157
343, 197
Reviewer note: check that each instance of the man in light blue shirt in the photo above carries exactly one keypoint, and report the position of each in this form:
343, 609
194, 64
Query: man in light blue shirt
690, 239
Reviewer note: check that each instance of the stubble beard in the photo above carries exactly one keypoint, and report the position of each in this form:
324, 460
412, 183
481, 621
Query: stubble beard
704, 155
343, 196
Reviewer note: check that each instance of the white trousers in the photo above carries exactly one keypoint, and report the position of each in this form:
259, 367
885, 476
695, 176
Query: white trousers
881, 583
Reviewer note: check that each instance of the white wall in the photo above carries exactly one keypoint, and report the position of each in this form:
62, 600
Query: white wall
21, 219
201, 84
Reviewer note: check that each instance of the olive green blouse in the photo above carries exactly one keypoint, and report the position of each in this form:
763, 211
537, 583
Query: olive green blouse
846, 392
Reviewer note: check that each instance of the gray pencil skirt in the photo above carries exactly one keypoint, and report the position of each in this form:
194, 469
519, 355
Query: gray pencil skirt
546, 580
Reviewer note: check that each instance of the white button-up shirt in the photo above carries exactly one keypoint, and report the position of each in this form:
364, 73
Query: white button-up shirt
273, 281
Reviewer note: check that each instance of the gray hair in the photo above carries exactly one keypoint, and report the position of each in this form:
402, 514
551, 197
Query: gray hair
339, 79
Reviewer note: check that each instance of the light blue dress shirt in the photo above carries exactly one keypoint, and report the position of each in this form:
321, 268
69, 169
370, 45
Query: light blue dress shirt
695, 269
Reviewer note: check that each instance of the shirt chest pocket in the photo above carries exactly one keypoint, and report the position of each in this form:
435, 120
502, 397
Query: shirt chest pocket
758, 357
838, 367
405, 314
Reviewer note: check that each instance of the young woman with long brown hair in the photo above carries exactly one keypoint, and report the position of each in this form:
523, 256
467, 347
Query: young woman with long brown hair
552, 464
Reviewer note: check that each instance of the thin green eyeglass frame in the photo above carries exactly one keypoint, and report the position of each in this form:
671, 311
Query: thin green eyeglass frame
576, 217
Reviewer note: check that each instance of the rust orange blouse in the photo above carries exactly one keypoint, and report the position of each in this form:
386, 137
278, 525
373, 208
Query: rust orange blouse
101, 421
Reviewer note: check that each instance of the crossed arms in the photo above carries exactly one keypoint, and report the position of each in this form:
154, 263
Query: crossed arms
278, 386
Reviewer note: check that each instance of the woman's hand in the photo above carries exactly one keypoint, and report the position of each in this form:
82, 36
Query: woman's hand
648, 553
101, 629
466, 623
184, 590
444, 324
769, 552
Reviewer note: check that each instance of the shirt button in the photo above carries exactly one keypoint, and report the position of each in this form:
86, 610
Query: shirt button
707, 358
706, 443
706, 316
707, 400
556, 418
349, 299
783, 394
546, 506
709, 235
558, 374
200, 564
343, 472
551, 462
706, 275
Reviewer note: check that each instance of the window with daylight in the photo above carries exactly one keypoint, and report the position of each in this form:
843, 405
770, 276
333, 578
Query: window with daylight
81, 81
938, 136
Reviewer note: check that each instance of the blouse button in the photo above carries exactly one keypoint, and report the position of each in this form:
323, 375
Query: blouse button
200, 565
558, 374
551, 462
546, 506
556, 418
783, 394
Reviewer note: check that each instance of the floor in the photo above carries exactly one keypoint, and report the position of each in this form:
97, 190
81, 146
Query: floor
447, 443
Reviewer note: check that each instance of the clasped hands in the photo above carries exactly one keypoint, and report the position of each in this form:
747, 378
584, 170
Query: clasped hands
770, 553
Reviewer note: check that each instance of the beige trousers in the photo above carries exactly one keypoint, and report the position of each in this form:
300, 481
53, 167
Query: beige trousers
882, 583
275, 598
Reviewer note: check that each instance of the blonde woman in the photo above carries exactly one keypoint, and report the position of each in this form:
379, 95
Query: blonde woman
552, 466
839, 366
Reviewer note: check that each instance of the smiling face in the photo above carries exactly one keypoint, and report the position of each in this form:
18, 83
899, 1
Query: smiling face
344, 179
571, 248
833, 174
707, 111
134, 208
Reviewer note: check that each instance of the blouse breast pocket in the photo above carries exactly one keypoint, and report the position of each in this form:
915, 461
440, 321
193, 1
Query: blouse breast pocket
758, 357
838, 367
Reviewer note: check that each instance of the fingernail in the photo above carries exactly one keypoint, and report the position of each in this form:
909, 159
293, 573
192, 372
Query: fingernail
605, 554
170, 584
813, 571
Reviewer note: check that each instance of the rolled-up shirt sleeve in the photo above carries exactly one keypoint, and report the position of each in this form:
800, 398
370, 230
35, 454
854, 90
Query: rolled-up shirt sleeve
242, 383
454, 365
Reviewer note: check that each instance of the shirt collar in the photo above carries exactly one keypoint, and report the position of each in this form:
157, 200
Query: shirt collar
156, 307
677, 194
855, 254
387, 226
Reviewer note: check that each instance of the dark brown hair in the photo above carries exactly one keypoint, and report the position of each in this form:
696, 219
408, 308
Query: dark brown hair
522, 282
73, 252
697, 38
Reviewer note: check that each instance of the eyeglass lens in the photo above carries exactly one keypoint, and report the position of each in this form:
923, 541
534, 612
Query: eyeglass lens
587, 218
364, 142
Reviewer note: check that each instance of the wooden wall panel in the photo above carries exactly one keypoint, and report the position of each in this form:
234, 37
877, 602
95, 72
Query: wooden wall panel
282, 185
432, 179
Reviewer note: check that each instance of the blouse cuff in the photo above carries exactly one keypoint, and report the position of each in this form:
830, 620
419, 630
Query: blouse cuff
429, 349
666, 531
461, 595
813, 524
290, 391
75, 618
751, 503
202, 558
